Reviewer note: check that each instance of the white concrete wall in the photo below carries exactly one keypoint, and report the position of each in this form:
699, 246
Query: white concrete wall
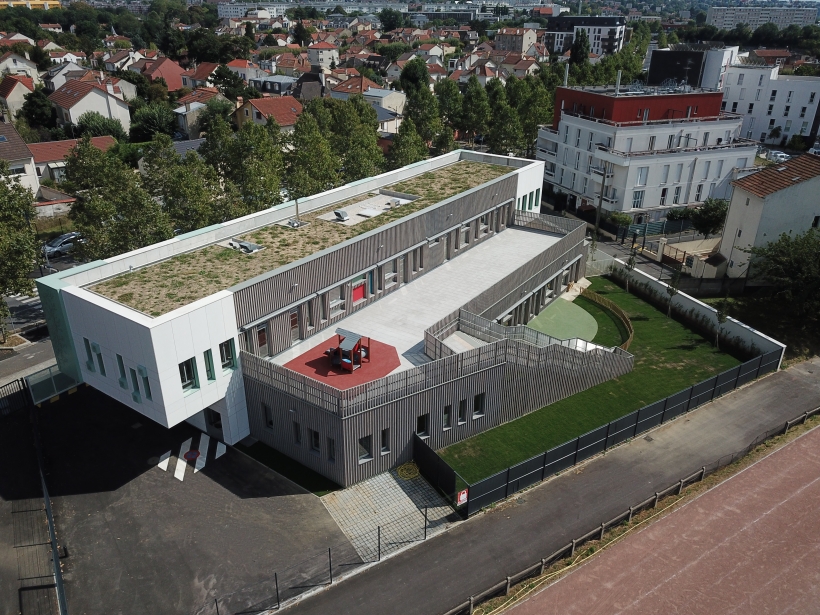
160, 345
104, 104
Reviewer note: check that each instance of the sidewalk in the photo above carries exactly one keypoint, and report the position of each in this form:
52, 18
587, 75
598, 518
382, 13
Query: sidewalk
441, 573
31, 358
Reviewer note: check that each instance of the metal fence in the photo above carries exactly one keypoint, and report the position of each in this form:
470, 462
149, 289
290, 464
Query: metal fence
538, 568
13, 397
615, 309
598, 263
520, 476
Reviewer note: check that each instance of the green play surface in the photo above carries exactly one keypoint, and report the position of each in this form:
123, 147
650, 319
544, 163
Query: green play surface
565, 320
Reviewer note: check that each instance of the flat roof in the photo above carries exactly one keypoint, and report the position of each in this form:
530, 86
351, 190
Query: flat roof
401, 317
165, 286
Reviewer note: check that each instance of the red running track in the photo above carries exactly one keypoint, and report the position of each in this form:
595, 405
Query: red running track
751, 545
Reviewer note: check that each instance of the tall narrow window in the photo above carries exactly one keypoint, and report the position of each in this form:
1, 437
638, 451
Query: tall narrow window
268, 414
719, 169
314, 440
478, 405
699, 192
146, 385
297, 433
663, 197
89, 358
423, 425
365, 449
665, 174
100, 362
187, 374
385, 443
135, 385
462, 412
643, 172
637, 199
209, 365
447, 417
262, 340
652, 143
676, 196
121, 368
706, 167
227, 355
331, 449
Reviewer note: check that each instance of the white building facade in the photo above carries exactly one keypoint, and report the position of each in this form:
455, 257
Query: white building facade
765, 100
727, 17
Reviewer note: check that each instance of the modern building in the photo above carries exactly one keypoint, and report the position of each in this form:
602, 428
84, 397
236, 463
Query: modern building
767, 100
515, 39
605, 34
766, 204
727, 17
434, 292
641, 151
699, 65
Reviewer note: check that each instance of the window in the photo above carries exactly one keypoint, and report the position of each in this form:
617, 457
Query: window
314, 440
268, 414
734, 107
816, 222
462, 412
331, 449
676, 196
773, 96
629, 144
577, 160
121, 367
637, 199
803, 128
337, 303
187, 375
89, 359
478, 405
740, 78
572, 185
566, 133
297, 433
385, 441
17, 170
670, 142
447, 420
100, 363
589, 145
705, 139
742, 93
770, 109
566, 153
751, 123
786, 111
706, 169
788, 126
227, 355
209, 365
663, 196
146, 386
719, 169
802, 111
262, 340
757, 95
423, 424
135, 386
365, 449
789, 96
771, 124
578, 138
760, 80
699, 192
642, 175
811, 97
586, 184
651, 143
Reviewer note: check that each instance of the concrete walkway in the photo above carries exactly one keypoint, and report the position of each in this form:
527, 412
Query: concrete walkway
444, 571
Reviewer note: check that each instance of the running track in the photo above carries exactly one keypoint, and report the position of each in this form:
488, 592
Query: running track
749, 545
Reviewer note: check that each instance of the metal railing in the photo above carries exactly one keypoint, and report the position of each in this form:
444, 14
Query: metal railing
48, 383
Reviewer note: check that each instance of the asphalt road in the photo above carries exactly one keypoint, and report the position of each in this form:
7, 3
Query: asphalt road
444, 571
26, 360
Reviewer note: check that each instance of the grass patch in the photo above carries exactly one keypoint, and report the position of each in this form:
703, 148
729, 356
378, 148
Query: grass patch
183, 279
668, 357
776, 318
611, 331
289, 468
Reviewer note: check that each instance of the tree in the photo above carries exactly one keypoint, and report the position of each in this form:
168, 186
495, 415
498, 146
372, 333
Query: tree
151, 119
672, 289
798, 143
663, 42
37, 109
708, 219
18, 245
792, 264
629, 266
215, 108
620, 219
310, 164
218, 147
301, 35
775, 132
496, 95
579, 53
505, 135
422, 108
680, 213
534, 110
408, 147
29, 134
449, 102
391, 19
96, 125
231, 85
476, 115
414, 77
257, 165
444, 142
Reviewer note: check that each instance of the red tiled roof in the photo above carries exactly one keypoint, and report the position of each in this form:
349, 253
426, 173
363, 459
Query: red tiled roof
168, 70
773, 53
74, 91
51, 151
239, 63
10, 82
322, 45
356, 85
49, 25
780, 176
284, 109
201, 95
201, 72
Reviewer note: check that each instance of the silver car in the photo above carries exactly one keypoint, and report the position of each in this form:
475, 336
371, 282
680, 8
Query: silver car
61, 245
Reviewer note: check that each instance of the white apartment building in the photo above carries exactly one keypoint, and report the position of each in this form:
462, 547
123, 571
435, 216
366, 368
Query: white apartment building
767, 100
727, 17
645, 152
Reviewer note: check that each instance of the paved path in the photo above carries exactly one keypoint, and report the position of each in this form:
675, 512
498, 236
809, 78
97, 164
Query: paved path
27, 360
750, 545
444, 571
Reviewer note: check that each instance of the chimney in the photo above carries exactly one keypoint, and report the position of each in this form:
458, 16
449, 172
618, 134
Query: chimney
187, 107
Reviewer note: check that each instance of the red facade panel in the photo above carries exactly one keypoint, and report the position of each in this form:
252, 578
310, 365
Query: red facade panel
633, 108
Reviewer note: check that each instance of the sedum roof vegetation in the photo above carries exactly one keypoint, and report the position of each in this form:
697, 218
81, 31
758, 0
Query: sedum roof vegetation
183, 279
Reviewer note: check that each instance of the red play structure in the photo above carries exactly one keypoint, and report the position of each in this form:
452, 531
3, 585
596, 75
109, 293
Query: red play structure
349, 351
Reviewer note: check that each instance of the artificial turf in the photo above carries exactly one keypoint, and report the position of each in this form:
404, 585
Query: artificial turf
668, 357
565, 320
611, 331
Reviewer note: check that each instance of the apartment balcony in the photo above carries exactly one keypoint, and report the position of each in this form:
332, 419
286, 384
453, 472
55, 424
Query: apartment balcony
724, 116
548, 152
600, 171
621, 158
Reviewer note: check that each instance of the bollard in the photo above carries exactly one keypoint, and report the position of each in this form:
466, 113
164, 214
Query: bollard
603, 527
631, 510
507, 590
330, 564
655, 505
543, 565
380, 542
703, 472
276, 581
680, 486
805, 417
572, 552
472, 605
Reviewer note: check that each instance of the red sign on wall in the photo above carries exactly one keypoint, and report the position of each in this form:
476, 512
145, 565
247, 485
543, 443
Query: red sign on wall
462, 497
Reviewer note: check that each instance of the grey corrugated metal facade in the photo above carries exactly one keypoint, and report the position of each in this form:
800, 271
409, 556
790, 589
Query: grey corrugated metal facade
457, 395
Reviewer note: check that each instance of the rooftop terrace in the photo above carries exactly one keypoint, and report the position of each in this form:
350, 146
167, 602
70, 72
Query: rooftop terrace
162, 287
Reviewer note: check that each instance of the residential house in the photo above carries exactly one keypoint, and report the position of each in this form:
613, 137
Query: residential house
392, 100
430, 50
121, 60
190, 106
284, 109
437, 73
17, 37
13, 90
47, 45
354, 85
65, 57
56, 76
772, 57
524, 68
116, 41
200, 76
292, 65
76, 97
776, 200
49, 156
389, 121
323, 55
246, 69
15, 151
310, 86
514, 39
538, 51
164, 68
275, 85
13, 64
51, 27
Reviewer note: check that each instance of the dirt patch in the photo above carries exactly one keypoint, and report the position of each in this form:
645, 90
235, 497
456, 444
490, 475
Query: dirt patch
12, 341
186, 278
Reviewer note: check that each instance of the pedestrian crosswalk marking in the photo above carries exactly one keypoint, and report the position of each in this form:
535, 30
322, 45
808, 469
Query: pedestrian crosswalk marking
163, 461
204, 439
179, 473
200, 454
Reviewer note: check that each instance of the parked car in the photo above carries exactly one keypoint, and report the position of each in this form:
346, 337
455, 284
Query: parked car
61, 245
815, 150
776, 156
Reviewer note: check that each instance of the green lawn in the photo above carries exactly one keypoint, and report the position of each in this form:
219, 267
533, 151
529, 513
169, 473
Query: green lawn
611, 331
289, 468
565, 320
668, 357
